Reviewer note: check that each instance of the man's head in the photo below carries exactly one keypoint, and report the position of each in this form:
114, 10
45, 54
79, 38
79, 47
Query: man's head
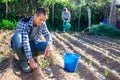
40, 16
65, 10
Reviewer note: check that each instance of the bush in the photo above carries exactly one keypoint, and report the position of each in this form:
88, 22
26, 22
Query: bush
6, 24
105, 30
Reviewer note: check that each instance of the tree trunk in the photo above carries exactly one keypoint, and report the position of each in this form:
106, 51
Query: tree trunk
52, 16
79, 19
89, 17
113, 12
6, 3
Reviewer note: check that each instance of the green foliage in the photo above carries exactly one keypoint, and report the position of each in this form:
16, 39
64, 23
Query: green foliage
48, 3
3, 1
58, 8
99, 10
44, 63
105, 30
97, 15
2, 59
106, 73
6, 24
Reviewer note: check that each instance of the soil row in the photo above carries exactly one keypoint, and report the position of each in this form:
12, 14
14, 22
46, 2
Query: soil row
90, 57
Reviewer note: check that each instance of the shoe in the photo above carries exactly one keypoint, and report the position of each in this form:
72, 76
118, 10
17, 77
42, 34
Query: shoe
25, 67
23, 60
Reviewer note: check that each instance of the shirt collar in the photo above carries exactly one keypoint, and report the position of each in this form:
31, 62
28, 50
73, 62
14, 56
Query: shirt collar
31, 21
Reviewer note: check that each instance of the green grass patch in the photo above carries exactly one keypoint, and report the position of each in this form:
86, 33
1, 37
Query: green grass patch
6, 24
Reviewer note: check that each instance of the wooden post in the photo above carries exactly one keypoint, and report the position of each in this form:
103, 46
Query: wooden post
52, 16
6, 3
89, 17
79, 19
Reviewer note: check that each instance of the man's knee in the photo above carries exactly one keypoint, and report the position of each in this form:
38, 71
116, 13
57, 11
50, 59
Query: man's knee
17, 40
41, 45
44, 45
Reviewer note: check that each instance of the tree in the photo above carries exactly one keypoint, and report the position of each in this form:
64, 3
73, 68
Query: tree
78, 4
113, 12
6, 4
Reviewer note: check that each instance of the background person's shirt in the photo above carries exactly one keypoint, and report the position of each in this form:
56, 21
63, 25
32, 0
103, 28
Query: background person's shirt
66, 15
25, 29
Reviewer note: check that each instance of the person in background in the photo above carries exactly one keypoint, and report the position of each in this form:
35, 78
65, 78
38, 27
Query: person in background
65, 17
104, 21
25, 40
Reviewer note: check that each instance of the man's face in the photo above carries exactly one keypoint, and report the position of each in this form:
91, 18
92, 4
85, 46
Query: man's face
39, 19
65, 11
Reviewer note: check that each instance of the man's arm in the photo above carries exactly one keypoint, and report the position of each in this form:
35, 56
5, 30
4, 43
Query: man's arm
48, 37
26, 44
21, 28
69, 16
62, 16
47, 34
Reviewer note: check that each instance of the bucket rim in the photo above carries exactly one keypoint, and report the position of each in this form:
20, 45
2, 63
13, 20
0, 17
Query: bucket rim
76, 55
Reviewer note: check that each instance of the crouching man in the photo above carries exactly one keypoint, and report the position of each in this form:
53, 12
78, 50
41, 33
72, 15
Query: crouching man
26, 39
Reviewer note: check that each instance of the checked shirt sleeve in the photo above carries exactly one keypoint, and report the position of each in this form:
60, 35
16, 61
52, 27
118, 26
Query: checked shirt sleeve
21, 28
47, 34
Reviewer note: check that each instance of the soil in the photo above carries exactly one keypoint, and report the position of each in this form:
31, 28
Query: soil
100, 58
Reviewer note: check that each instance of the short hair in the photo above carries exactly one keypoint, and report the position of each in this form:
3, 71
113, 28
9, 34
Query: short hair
65, 9
41, 10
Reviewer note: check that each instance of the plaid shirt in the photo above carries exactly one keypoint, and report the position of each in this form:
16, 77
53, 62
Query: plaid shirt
25, 29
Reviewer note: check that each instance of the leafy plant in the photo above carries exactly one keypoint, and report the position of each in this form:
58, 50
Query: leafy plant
106, 73
46, 62
6, 24
1, 60
105, 30
90, 63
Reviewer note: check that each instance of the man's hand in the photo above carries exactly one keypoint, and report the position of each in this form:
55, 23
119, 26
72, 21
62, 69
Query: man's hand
32, 63
47, 51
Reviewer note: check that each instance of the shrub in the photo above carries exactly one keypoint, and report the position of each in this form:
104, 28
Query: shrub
105, 30
6, 24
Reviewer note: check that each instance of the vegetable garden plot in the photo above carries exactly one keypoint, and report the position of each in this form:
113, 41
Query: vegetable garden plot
95, 62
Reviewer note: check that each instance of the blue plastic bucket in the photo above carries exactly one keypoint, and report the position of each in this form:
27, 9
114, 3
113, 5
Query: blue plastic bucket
71, 62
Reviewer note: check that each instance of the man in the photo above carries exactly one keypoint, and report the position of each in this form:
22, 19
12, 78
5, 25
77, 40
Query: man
25, 39
65, 17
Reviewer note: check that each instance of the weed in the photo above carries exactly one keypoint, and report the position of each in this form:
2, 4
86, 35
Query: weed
106, 72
